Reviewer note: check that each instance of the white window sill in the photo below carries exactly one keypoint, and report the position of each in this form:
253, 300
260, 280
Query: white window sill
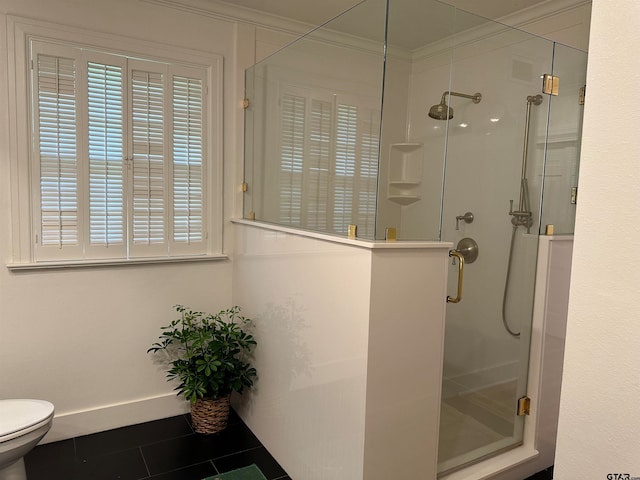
112, 261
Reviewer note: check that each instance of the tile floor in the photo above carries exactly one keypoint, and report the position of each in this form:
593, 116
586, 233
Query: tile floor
543, 475
160, 450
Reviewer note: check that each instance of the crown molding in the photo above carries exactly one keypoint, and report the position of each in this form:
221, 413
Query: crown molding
235, 13
516, 21
229, 12
540, 12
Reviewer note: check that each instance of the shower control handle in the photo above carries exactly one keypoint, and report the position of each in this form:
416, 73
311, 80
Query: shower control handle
467, 217
468, 248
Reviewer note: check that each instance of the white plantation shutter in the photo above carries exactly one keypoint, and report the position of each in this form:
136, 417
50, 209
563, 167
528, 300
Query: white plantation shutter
188, 173
120, 156
57, 154
148, 178
105, 105
328, 162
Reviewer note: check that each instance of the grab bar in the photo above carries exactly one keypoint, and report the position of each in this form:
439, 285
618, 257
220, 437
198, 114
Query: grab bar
458, 255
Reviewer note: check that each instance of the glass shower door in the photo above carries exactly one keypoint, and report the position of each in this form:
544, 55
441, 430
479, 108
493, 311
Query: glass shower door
495, 151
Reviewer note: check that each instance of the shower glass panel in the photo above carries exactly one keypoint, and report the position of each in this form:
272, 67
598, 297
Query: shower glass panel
313, 127
461, 145
490, 170
563, 143
420, 40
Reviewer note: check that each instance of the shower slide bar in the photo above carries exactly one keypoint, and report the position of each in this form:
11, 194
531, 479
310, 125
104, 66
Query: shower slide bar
523, 216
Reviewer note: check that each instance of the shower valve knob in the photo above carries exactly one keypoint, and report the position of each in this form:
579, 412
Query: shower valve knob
467, 217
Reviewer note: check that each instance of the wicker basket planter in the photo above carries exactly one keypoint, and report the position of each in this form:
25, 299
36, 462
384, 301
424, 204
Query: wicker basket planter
210, 416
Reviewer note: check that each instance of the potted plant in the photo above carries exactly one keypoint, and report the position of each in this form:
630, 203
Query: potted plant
208, 354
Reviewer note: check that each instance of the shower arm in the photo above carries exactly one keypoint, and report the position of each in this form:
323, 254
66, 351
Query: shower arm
475, 98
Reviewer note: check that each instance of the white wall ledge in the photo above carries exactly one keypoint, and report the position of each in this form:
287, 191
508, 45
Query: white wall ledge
369, 244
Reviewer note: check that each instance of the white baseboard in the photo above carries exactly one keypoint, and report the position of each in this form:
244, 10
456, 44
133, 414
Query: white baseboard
106, 417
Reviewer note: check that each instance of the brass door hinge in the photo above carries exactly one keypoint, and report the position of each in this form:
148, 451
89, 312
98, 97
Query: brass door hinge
582, 94
245, 103
390, 234
524, 406
245, 186
550, 84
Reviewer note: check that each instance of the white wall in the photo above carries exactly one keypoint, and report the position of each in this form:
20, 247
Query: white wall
599, 415
78, 337
404, 373
310, 302
345, 332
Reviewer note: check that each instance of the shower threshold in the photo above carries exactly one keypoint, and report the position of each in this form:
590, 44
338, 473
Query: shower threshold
475, 426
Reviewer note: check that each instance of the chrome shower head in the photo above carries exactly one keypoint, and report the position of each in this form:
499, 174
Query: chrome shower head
442, 111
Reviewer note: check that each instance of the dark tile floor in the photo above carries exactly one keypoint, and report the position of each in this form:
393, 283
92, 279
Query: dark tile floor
160, 450
543, 475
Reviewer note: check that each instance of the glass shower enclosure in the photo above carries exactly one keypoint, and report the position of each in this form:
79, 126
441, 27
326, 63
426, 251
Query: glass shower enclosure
425, 122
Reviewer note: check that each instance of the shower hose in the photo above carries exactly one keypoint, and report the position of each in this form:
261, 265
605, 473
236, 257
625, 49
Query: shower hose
506, 285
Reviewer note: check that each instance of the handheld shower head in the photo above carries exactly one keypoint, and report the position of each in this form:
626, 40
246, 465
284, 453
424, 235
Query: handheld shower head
442, 111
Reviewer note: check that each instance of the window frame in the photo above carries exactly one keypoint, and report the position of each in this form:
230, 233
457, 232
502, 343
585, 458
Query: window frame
20, 33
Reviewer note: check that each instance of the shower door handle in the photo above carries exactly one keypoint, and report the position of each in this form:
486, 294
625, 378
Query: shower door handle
460, 257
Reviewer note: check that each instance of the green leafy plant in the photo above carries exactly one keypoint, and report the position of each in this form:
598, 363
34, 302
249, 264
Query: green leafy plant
207, 353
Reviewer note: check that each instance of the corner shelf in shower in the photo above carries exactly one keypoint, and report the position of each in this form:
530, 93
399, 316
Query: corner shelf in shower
405, 172
404, 184
406, 147
403, 199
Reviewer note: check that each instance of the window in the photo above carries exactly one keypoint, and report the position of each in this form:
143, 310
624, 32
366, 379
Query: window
328, 162
121, 161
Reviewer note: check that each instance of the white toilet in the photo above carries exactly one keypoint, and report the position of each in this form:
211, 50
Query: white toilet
23, 423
